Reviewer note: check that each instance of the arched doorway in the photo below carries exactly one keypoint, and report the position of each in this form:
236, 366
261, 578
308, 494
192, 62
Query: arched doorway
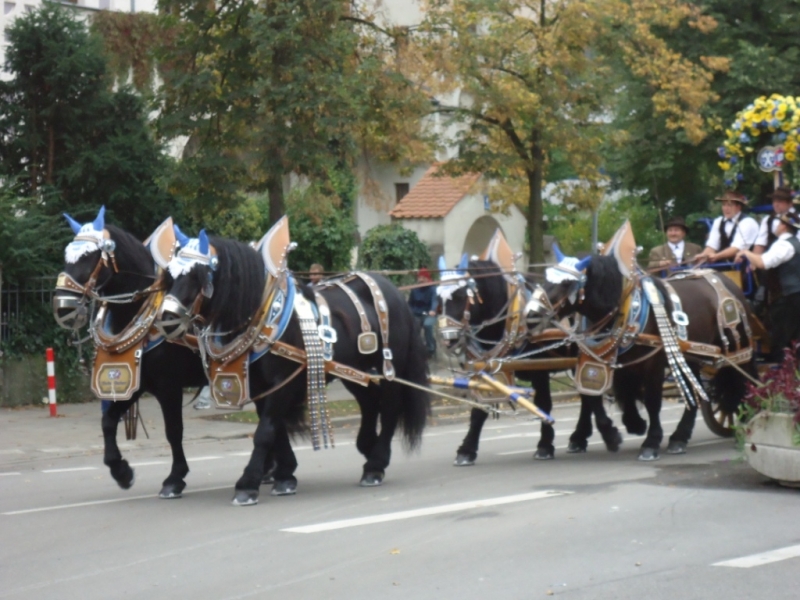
479, 235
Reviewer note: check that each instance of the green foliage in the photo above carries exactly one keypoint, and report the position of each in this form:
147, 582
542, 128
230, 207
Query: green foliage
572, 227
31, 242
266, 89
324, 230
393, 248
758, 39
69, 137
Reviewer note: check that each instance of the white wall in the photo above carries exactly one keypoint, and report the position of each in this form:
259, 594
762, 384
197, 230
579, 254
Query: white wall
376, 195
458, 223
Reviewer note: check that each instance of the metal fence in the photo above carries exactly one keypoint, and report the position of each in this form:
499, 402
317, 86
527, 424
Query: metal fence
14, 300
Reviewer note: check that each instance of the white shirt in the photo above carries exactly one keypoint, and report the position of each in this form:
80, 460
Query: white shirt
763, 236
677, 250
745, 237
780, 252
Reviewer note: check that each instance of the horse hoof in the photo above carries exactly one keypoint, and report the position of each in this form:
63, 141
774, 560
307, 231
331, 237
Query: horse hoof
268, 478
371, 479
613, 440
245, 498
648, 454
544, 454
676, 448
287, 487
172, 491
575, 448
465, 460
123, 475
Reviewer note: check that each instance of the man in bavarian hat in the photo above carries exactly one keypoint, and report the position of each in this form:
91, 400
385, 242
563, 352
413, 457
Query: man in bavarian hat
783, 258
731, 232
781, 200
677, 250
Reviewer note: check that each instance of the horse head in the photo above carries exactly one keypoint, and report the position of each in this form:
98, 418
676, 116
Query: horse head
591, 286
192, 274
472, 295
89, 265
564, 283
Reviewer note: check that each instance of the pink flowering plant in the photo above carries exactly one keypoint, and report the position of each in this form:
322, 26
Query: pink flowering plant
778, 392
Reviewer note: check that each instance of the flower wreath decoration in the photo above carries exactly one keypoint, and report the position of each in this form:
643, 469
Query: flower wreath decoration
768, 132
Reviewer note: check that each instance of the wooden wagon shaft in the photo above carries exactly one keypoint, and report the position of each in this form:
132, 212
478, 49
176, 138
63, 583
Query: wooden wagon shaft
525, 364
464, 383
512, 395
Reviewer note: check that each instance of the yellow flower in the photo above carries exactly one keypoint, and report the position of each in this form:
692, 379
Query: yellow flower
790, 156
724, 166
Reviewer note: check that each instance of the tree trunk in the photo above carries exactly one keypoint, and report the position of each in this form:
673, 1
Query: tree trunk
276, 204
535, 208
51, 153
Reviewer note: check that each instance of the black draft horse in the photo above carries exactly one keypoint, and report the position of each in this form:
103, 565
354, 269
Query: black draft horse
485, 282
166, 368
238, 279
644, 380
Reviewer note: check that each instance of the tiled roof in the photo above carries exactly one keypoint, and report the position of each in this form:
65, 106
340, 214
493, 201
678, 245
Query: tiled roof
433, 197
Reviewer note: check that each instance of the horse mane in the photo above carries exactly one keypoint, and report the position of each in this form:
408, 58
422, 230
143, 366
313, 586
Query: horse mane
603, 287
238, 284
493, 292
131, 255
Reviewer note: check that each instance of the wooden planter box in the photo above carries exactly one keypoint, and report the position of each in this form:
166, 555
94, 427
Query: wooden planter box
769, 447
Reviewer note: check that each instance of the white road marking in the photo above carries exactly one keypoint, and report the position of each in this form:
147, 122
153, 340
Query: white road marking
763, 558
70, 470
70, 450
9, 473
148, 464
201, 458
422, 512
112, 501
12, 451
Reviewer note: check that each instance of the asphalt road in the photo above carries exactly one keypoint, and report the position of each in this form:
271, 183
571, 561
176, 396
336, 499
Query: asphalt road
590, 526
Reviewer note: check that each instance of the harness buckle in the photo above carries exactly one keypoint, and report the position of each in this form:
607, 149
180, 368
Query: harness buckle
327, 334
387, 354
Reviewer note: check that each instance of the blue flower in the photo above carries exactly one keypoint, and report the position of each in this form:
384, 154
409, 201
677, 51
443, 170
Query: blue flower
775, 123
729, 182
782, 136
733, 160
762, 124
739, 177
744, 137
721, 152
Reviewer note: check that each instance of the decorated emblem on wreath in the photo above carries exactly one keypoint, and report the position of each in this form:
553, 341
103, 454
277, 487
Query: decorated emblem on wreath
766, 135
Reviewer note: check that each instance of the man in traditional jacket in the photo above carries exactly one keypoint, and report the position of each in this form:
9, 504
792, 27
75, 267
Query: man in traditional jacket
767, 234
731, 232
783, 258
677, 250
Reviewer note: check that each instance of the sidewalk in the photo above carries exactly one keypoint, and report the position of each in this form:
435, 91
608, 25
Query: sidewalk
29, 432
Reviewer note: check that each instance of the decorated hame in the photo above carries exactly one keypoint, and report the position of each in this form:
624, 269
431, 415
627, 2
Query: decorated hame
766, 135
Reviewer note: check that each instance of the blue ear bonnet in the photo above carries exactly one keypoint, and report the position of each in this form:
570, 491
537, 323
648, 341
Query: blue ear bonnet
203, 238
463, 265
98, 224
182, 238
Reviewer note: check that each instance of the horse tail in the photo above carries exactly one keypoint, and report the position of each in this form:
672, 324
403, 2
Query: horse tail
416, 403
730, 385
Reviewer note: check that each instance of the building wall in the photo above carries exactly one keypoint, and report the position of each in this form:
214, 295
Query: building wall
461, 234
376, 195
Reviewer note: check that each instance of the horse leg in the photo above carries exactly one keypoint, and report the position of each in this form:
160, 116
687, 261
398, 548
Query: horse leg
545, 450
633, 421
269, 461
367, 432
467, 452
653, 390
246, 489
610, 434
679, 440
121, 471
283, 462
171, 401
389, 406
579, 440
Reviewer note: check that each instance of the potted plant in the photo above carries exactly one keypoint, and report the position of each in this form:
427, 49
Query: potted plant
769, 424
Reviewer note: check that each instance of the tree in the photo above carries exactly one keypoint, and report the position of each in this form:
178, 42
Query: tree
756, 39
65, 136
536, 78
264, 90
393, 248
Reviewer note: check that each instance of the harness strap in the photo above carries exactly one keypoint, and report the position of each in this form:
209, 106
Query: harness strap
382, 310
326, 333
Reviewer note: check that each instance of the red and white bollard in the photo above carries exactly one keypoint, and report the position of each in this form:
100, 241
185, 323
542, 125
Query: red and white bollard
51, 382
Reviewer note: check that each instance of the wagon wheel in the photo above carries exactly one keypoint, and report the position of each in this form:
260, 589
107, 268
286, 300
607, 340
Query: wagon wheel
718, 420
